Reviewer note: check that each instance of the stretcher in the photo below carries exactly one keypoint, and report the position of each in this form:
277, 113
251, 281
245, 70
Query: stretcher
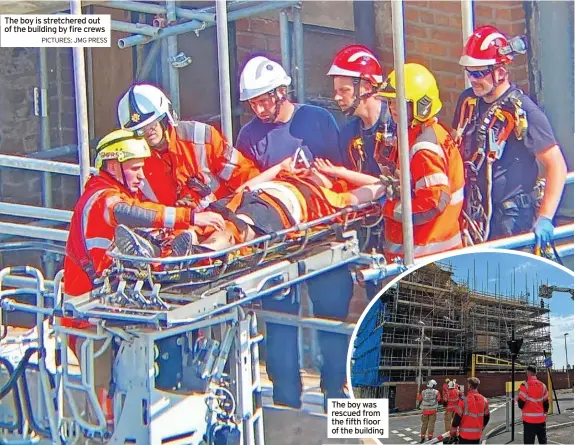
183, 352
179, 289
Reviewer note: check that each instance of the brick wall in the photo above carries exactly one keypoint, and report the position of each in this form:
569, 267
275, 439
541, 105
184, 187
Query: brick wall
434, 38
20, 129
492, 385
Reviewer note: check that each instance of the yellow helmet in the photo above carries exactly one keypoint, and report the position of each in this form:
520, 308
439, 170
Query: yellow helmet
420, 89
121, 145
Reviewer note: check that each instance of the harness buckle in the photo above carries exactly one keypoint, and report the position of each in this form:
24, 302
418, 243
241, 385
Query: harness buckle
495, 148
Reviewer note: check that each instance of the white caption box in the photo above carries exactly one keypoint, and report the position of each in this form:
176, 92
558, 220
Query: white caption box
55, 30
359, 418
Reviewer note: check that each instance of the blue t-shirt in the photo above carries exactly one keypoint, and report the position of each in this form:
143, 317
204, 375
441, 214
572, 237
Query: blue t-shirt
516, 171
354, 128
311, 128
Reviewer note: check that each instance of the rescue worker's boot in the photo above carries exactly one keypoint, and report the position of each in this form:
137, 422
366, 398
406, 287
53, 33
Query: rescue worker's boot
422, 440
130, 243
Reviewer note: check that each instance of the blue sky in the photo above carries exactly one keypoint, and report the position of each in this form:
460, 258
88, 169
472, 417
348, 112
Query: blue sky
527, 270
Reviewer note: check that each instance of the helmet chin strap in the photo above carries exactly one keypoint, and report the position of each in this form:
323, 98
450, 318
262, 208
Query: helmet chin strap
350, 111
495, 82
279, 101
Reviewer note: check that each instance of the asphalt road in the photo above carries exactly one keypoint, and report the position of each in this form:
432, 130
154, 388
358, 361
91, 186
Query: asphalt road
405, 429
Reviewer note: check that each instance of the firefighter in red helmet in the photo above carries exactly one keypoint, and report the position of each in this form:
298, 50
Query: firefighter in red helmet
502, 134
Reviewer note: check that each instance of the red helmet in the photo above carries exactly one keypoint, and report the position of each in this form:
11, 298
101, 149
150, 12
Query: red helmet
357, 61
486, 46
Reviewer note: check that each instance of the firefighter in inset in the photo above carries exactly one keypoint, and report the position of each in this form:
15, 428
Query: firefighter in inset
429, 400
533, 401
450, 400
471, 415
503, 134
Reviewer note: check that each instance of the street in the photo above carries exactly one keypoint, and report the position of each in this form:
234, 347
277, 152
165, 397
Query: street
405, 428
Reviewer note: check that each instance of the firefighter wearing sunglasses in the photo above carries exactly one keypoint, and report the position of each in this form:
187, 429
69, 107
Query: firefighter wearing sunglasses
502, 134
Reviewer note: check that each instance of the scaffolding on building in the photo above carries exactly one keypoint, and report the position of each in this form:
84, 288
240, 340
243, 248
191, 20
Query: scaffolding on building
431, 325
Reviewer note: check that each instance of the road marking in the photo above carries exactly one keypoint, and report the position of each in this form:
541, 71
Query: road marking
401, 435
408, 429
394, 431
408, 439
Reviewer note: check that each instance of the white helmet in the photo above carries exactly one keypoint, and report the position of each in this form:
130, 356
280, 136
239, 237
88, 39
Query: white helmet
451, 384
143, 104
431, 383
261, 75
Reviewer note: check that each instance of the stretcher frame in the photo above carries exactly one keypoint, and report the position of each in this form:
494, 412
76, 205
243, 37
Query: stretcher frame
278, 261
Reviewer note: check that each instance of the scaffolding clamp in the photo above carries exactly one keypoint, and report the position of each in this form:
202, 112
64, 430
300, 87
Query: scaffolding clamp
180, 60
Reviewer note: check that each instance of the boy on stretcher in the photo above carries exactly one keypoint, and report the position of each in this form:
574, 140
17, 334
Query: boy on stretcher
279, 198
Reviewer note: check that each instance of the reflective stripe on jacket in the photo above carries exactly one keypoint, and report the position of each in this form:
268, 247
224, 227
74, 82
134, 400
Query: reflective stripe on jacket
472, 409
105, 204
453, 397
437, 181
429, 399
195, 151
533, 392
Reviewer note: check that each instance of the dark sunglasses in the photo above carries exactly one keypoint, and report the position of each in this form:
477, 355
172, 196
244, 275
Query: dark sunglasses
480, 74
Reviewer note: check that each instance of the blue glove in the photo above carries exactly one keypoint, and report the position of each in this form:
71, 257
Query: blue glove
543, 230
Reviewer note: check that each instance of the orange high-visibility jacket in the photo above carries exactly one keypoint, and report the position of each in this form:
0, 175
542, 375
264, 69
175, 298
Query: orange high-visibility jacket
314, 202
195, 150
453, 396
533, 392
104, 204
437, 180
471, 409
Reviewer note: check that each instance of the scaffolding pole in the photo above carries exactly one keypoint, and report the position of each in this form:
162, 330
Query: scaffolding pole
403, 143
172, 51
224, 71
467, 22
81, 104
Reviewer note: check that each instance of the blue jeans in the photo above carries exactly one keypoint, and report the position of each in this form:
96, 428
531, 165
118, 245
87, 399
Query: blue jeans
330, 294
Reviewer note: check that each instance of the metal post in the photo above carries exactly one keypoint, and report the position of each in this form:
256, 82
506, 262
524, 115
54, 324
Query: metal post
513, 357
567, 360
44, 125
149, 61
401, 104
47, 263
173, 74
467, 22
81, 104
196, 25
299, 57
552, 385
285, 41
224, 64
420, 359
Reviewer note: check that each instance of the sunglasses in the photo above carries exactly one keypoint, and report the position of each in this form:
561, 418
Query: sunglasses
479, 74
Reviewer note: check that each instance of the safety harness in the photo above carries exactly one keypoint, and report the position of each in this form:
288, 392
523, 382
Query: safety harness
385, 149
492, 130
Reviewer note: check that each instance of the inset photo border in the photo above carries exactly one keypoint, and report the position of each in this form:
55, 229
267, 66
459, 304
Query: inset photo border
450, 324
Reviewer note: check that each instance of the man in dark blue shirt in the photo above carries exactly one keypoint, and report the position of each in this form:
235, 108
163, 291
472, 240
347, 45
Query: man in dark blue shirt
276, 132
502, 134
366, 140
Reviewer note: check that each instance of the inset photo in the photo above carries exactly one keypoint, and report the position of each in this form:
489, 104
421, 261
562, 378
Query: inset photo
472, 348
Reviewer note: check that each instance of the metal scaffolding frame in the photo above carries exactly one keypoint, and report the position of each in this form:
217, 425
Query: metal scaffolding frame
456, 321
164, 44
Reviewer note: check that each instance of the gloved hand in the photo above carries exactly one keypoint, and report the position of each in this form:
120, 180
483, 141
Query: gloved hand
543, 230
